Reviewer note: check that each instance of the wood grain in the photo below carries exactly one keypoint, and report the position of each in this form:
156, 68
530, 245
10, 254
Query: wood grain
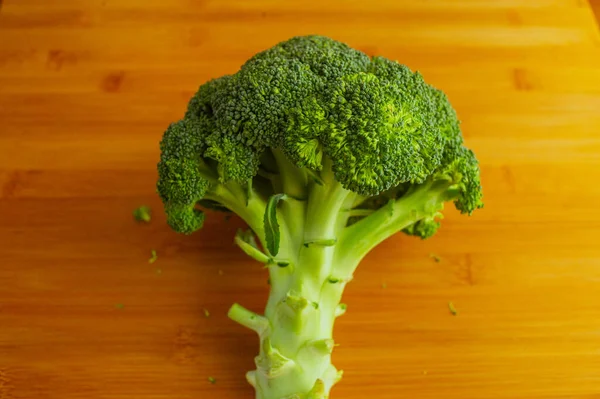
86, 90
595, 4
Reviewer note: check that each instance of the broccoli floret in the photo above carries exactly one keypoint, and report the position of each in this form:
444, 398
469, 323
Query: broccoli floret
324, 152
143, 214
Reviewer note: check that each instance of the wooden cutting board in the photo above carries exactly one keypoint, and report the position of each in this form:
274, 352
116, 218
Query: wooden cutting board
87, 88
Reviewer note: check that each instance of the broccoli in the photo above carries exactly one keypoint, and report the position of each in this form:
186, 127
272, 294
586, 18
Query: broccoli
153, 256
324, 152
142, 214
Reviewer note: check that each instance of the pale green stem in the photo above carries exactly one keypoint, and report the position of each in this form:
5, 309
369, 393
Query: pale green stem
361, 237
295, 352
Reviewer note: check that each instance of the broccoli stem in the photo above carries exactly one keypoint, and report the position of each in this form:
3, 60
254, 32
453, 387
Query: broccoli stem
361, 237
293, 178
235, 198
295, 348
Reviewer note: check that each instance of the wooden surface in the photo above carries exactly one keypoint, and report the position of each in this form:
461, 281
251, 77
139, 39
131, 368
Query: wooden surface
86, 90
595, 4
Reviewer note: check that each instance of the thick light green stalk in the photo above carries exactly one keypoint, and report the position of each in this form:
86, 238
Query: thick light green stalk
296, 332
295, 350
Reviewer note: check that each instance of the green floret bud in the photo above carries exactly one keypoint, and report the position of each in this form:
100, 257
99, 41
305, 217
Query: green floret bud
468, 185
185, 139
183, 176
302, 143
236, 161
381, 135
180, 168
201, 105
180, 187
325, 57
184, 219
424, 228
446, 118
181, 182
254, 106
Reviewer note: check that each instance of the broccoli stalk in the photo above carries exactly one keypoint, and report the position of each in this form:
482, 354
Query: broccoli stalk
324, 153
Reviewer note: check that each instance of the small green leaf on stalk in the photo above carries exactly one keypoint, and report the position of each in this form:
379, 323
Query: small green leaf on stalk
272, 233
212, 380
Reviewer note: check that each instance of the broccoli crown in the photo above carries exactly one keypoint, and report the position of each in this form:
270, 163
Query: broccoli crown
381, 125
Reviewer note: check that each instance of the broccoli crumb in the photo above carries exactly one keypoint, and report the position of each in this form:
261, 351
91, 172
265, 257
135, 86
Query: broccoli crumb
452, 309
119, 306
384, 285
153, 257
436, 258
212, 380
142, 214
158, 271
206, 313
